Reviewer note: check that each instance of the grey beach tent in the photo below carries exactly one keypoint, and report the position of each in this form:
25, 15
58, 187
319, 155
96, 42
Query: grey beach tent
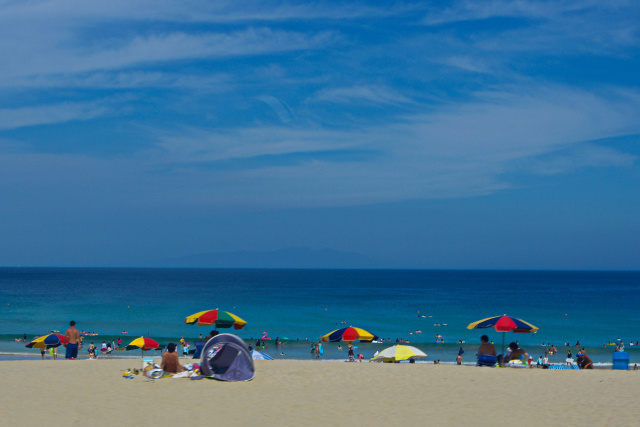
226, 357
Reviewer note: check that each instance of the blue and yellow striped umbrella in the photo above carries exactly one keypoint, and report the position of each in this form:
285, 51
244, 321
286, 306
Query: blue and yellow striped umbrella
47, 341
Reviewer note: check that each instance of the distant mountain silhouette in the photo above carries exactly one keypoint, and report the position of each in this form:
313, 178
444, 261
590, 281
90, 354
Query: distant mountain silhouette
301, 257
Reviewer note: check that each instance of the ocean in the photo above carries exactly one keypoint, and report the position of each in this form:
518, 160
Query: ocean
299, 306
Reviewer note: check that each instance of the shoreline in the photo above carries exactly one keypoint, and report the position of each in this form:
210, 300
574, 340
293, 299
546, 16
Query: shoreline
184, 361
295, 392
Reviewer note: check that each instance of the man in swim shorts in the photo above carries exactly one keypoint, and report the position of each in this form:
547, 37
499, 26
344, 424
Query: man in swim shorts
72, 337
486, 352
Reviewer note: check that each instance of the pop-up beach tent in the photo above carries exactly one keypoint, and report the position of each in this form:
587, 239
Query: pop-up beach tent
226, 357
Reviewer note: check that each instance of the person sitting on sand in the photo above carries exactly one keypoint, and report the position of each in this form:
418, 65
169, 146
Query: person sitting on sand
170, 362
486, 353
584, 361
516, 353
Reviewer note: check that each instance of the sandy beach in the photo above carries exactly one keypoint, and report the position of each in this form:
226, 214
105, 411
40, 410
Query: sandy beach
88, 392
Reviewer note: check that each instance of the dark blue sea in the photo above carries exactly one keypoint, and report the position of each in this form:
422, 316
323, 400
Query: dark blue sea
594, 308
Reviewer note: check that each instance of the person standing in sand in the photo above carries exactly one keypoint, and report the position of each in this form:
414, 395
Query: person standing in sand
72, 337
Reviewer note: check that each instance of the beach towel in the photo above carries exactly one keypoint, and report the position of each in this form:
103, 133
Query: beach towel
564, 367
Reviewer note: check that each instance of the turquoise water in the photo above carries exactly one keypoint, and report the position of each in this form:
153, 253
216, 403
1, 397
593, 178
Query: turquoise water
591, 307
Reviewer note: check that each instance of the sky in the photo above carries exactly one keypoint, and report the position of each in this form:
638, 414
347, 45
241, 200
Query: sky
446, 135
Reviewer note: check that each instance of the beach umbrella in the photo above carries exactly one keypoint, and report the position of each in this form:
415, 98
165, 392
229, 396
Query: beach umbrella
219, 318
504, 324
260, 355
397, 353
142, 343
349, 334
47, 341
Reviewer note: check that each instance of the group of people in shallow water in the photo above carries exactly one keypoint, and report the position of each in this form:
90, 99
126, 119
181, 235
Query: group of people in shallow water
106, 348
487, 356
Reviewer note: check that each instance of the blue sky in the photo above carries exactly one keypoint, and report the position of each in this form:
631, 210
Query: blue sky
495, 134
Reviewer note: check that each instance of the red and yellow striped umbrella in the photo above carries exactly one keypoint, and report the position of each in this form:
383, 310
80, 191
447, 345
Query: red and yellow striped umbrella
349, 334
219, 318
142, 343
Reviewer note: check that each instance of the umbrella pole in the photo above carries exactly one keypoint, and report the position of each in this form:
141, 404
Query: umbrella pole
502, 363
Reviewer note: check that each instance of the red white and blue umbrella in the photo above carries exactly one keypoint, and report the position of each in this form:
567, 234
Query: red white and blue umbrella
504, 324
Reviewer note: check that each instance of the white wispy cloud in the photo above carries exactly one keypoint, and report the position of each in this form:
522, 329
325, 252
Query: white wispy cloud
120, 79
559, 28
222, 11
578, 157
469, 10
159, 48
13, 118
457, 146
460, 150
360, 94
467, 63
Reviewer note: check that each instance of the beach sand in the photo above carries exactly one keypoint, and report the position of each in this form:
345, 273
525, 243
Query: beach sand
94, 393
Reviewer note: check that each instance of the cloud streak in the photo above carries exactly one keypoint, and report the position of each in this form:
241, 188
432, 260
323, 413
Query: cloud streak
50, 114
362, 94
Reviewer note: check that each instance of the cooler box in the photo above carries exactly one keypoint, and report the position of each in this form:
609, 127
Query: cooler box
621, 360
146, 361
